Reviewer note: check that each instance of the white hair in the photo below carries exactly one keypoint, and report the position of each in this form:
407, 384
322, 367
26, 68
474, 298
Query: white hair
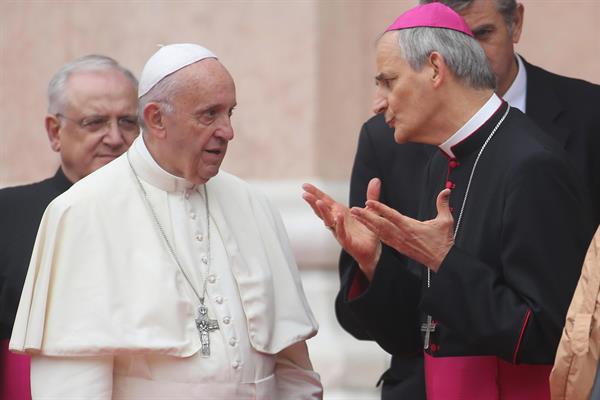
462, 54
163, 93
57, 88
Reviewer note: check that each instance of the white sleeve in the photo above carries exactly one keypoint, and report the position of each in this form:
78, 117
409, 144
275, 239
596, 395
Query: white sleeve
296, 379
70, 378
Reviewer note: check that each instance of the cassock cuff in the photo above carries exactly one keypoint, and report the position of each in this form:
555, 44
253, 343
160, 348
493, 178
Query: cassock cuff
359, 285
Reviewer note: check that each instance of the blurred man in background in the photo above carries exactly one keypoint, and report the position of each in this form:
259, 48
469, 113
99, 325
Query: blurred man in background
91, 120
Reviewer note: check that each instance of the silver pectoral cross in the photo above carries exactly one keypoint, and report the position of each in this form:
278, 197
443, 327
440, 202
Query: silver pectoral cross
205, 325
428, 327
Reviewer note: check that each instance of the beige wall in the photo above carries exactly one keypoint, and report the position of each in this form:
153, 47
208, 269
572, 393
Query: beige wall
303, 68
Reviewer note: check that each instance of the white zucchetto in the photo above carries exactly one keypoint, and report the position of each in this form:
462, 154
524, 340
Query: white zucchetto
169, 59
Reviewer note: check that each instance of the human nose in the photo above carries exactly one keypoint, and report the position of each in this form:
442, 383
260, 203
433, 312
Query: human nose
379, 103
113, 136
225, 131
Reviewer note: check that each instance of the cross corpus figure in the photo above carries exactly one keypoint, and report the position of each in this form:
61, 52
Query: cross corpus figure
205, 325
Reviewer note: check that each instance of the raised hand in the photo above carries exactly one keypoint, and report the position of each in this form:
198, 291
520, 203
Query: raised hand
425, 242
362, 244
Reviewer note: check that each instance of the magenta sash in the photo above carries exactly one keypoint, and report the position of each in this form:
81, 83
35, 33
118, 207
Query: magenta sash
14, 374
484, 378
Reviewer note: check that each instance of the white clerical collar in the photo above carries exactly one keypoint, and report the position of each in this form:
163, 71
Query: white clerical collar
516, 94
476, 121
149, 170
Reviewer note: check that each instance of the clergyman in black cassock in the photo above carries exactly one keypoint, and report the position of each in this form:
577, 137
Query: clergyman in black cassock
92, 107
516, 251
537, 315
565, 109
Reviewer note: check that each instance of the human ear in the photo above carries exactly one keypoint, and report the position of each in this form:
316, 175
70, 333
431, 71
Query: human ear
53, 131
517, 26
154, 119
438, 67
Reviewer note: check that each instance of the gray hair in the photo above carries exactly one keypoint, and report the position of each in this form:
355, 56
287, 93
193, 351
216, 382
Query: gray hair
57, 88
461, 53
163, 92
505, 7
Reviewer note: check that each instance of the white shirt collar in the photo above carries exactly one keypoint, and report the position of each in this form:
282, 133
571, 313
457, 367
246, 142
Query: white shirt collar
476, 121
516, 94
149, 170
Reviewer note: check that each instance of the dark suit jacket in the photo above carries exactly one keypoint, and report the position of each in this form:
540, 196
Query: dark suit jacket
565, 108
569, 110
21, 210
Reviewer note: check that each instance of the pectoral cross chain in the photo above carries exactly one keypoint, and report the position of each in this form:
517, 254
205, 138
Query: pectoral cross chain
205, 325
428, 327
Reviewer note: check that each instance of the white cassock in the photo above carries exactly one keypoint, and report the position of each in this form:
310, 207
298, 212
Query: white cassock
106, 313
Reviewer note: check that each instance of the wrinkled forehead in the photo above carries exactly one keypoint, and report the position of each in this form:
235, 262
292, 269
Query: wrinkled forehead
204, 82
389, 38
388, 47
207, 71
107, 85
98, 76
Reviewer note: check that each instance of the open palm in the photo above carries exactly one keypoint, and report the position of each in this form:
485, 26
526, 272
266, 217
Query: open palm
352, 235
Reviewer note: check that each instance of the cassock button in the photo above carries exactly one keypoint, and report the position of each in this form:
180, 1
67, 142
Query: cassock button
204, 259
219, 300
212, 278
232, 342
193, 215
235, 364
453, 164
450, 185
187, 194
434, 347
226, 320
199, 237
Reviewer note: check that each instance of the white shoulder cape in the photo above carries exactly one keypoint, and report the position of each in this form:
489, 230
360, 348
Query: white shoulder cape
100, 280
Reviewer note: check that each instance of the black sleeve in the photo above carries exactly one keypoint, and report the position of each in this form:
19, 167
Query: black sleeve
387, 311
